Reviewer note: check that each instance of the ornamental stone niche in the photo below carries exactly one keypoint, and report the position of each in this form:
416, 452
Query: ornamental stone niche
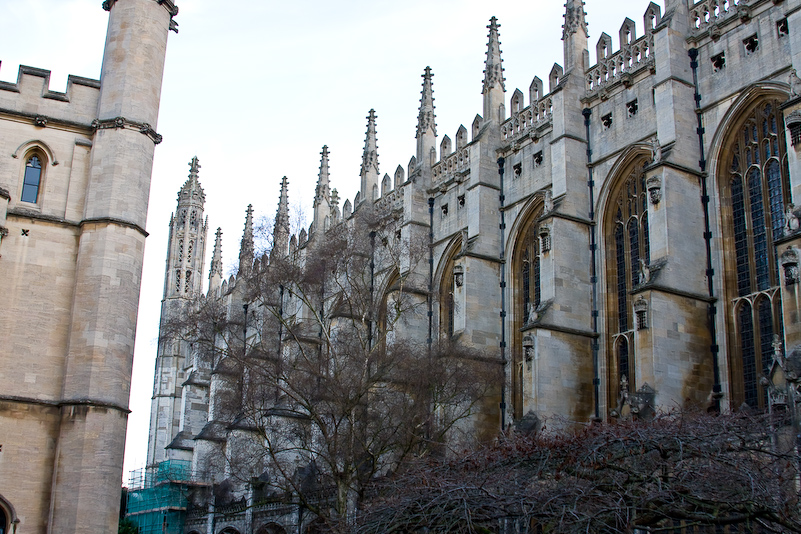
641, 313
545, 238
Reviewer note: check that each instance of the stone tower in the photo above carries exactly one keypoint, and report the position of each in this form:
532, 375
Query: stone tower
183, 281
74, 185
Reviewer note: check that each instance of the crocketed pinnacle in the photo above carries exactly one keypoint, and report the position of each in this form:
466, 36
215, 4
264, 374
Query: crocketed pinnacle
191, 192
323, 191
216, 256
426, 119
574, 18
493, 68
370, 156
246, 249
281, 228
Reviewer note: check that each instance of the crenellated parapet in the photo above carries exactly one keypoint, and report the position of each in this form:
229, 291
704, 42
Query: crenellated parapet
536, 116
31, 98
635, 55
707, 15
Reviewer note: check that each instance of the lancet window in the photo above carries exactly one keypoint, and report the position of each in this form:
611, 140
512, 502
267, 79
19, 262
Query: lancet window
32, 180
755, 191
627, 252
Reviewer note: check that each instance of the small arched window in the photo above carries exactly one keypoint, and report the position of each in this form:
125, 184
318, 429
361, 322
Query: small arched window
3, 521
32, 180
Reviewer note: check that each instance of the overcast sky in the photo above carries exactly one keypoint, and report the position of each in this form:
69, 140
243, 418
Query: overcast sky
255, 88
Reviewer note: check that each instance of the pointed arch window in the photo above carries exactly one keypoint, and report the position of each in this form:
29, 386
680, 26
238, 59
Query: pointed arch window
527, 258
32, 180
755, 190
627, 249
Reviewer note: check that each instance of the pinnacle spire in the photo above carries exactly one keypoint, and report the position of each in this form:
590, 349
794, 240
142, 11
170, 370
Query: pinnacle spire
574, 18
216, 269
246, 249
281, 228
369, 171
493, 69
426, 118
323, 191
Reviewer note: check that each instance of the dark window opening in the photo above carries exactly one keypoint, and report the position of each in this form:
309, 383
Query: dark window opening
718, 61
751, 44
632, 107
460, 201
606, 120
538, 159
32, 180
518, 169
782, 29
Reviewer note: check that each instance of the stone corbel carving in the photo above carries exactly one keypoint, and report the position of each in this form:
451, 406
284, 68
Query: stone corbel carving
641, 313
744, 12
458, 276
528, 347
789, 263
654, 186
40, 121
545, 237
715, 32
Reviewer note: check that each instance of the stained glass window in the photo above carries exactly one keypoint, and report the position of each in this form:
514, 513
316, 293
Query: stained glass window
628, 246
757, 190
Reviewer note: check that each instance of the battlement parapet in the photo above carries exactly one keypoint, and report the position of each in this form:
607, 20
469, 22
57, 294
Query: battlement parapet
31, 97
533, 117
622, 65
455, 163
709, 13
390, 201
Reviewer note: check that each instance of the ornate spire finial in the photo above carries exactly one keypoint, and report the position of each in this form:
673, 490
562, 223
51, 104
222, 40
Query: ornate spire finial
493, 69
281, 228
191, 193
246, 249
194, 167
574, 18
323, 192
370, 156
216, 256
426, 118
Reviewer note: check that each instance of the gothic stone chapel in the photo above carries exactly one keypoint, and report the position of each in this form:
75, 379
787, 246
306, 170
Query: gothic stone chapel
623, 236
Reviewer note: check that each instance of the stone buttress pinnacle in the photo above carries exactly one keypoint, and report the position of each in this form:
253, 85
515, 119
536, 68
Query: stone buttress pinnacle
370, 155
323, 191
369, 172
216, 256
574, 18
493, 67
246, 249
426, 119
281, 228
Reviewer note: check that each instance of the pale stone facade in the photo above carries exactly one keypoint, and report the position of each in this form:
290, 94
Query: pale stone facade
626, 238
74, 183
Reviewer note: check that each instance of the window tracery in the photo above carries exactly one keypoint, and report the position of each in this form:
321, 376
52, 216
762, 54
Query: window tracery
628, 254
755, 192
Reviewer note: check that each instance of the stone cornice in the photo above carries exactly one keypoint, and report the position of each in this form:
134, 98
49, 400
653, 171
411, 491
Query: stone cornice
125, 124
92, 403
64, 222
169, 5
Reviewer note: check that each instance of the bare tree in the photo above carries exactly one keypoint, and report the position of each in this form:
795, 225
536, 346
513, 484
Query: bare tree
681, 472
321, 381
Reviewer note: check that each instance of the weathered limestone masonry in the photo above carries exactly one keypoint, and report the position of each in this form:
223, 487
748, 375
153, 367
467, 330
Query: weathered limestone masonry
75, 173
627, 241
